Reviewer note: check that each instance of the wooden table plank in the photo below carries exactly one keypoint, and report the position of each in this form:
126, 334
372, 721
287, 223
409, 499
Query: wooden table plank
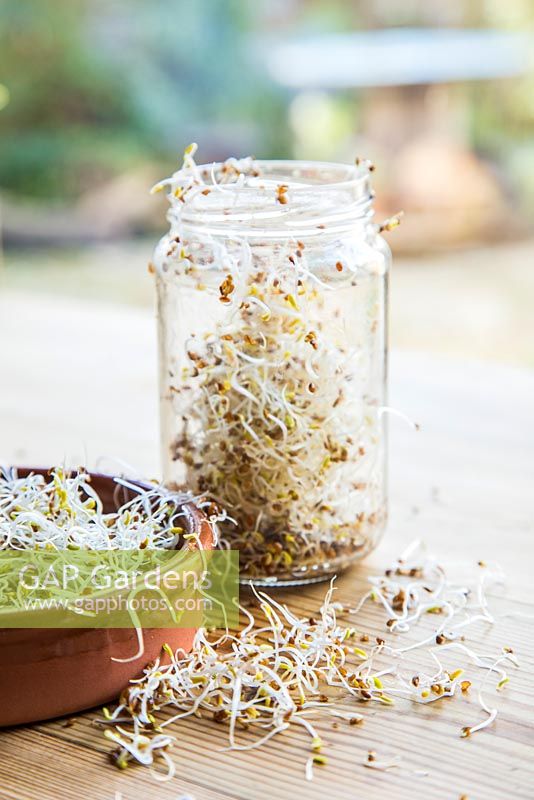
79, 381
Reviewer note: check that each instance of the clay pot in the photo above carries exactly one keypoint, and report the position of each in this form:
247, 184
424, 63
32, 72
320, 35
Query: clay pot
52, 672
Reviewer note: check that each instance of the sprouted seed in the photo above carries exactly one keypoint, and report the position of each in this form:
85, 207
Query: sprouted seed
372, 762
312, 760
383, 764
274, 404
281, 670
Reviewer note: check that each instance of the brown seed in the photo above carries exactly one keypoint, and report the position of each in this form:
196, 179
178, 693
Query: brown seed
398, 600
311, 338
281, 193
227, 287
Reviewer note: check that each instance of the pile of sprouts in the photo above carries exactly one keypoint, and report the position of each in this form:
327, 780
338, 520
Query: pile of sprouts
62, 511
281, 670
276, 405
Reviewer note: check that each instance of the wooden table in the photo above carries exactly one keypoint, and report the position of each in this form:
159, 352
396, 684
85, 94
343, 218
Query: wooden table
79, 382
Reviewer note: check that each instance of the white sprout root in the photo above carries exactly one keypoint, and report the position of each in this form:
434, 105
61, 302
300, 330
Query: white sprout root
281, 669
276, 406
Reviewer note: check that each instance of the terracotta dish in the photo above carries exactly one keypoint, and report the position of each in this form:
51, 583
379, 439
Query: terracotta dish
48, 673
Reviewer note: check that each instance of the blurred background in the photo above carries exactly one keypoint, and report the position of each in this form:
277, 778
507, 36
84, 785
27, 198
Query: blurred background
98, 99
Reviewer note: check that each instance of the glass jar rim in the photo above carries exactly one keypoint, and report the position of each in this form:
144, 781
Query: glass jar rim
272, 196
331, 174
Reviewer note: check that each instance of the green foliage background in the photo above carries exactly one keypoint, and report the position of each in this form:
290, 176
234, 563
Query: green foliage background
97, 85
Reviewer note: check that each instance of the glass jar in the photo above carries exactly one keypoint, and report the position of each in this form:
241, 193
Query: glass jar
272, 298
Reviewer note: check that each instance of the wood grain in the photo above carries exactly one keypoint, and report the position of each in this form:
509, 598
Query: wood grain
79, 382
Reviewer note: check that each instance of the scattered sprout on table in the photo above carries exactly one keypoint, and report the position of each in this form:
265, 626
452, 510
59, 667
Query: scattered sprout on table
281, 670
